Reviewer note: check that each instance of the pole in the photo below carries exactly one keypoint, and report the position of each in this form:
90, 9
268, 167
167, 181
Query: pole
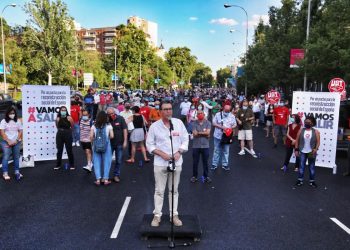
307, 38
76, 68
115, 68
246, 51
140, 71
3, 51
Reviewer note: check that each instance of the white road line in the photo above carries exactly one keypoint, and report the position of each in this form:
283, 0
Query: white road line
341, 225
119, 222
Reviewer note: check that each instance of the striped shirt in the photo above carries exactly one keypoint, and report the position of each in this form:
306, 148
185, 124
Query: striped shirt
85, 129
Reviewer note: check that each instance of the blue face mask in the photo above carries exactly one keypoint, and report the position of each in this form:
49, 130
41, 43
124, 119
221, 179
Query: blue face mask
85, 117
292, 120
244, 107
63, 113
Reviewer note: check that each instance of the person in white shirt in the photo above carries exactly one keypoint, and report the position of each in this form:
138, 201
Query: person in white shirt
256, 110
158, 143
126, 114
185, 107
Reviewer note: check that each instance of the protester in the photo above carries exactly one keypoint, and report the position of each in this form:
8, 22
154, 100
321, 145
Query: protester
280, 121
269, 119
120, 105
137, 136
245, 117
158, 143
154, 113
96, 104
89, 102
256, 110
185, 107
11, 134
119, 141
75, 113
222, 120
292, 132
200, 147
109, 99
65, 125
145, 111
126, 114
85, 128
306, 147
101, 134
191, 117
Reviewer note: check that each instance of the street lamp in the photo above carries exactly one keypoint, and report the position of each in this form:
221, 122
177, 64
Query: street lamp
115, 67
307, 38
3, 44
246, 38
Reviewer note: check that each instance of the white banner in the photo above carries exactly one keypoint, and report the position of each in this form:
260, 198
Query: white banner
88, 79
324, 107
40, 105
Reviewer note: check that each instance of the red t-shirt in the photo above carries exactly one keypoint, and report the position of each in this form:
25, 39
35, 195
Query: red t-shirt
145, 111
102, 99
109, 98
74, 112
281, 115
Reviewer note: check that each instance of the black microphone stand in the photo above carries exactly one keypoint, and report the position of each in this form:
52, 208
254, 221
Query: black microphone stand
172, 169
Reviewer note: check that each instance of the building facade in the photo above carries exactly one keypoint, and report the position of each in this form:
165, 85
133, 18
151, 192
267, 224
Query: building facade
148, 27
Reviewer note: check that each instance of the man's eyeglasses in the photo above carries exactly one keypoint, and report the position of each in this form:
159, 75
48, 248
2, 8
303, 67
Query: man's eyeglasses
167, 109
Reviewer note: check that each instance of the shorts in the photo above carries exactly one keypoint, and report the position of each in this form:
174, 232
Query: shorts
245, 135
268, 123
257, 115
277, 129
86, 145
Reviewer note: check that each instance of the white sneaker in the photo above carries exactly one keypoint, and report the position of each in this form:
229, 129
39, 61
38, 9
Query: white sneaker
73, 144
242, 152
88, 168
78, 144
253, 153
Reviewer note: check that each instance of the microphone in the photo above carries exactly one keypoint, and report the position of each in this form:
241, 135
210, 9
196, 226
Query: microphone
171, 124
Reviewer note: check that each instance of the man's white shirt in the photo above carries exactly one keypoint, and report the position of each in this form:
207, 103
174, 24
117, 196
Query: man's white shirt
185, 107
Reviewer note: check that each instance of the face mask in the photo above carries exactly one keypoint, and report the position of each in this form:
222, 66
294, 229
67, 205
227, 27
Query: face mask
142, 105
244, 107
200, 108
307, 125
12, 116
200, 117
85, 118
292, 120
157, 106
281, 104
192, 107
112, 117
186, 100
63, 113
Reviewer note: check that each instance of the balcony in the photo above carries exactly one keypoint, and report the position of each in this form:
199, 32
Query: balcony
87, 35
90, 48
109, 47
110, 34
90, 42
109, 41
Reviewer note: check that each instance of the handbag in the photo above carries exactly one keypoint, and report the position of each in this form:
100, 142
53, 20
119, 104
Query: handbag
227, 135
26, 162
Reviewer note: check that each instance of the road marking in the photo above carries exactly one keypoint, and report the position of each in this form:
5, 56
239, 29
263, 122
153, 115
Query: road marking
119, 222
341, 225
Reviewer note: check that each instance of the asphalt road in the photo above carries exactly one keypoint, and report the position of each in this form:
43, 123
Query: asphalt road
253, 206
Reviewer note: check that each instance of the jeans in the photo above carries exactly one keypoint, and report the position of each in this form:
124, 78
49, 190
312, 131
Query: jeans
6, 152
76, 132
262, 116
196, 153
105, 160
118, 158
64, 138
311, 159
190, 127
222, 151
289, 152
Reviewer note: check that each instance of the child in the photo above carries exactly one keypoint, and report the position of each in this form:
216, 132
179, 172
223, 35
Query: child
85, 128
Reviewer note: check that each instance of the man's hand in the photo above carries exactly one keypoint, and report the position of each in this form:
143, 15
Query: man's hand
177, 156
195, 133
239, 122
165, 157
125, 144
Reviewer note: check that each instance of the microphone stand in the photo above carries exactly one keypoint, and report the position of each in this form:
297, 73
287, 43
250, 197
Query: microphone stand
172, 169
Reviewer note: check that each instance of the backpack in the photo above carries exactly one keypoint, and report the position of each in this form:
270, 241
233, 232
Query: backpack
100, 141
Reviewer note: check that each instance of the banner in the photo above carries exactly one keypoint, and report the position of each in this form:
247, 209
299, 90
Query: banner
325, 108
296, 55
88, 79
40, 105
8, 69
273, 97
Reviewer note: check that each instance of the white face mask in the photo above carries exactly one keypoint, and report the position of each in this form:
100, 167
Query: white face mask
12, 116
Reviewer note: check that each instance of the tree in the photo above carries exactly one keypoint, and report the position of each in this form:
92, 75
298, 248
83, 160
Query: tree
202, 74
222, 75
48, 39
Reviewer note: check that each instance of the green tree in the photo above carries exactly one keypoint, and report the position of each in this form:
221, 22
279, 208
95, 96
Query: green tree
222, 75
49, 39
202, 74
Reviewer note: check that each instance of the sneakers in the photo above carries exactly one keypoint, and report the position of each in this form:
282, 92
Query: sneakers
116, 179
213, 168
18, 176
176, 220
296, 169
57, 168
284, 168
193, 179
156, 221
312, 184
78, 144
88, 168
226, 168
253, 153
242, 152
299, 183
73, 144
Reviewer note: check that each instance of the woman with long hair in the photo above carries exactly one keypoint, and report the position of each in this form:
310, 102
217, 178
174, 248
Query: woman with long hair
100, 135
11, 133
138, 134
65, 126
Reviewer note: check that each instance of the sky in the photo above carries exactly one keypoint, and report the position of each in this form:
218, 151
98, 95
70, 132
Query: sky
202, 25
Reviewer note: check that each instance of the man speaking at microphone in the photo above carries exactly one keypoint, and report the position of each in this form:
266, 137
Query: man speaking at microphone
158, 143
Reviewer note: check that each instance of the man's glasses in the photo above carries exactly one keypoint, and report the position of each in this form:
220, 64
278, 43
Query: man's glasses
167, 109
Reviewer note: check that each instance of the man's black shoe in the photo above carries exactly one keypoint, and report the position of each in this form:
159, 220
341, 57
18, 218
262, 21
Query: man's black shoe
313, 184
299, 183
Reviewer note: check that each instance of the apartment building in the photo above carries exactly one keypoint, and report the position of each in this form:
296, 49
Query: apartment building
148, 27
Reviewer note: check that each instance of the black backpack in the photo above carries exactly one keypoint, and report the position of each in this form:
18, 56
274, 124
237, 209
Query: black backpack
100, 141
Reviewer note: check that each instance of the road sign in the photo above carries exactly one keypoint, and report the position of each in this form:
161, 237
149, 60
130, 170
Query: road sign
336, 85
114, 78
88, 79
273, 96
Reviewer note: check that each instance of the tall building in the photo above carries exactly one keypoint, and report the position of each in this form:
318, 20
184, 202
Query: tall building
150, 29
98, 39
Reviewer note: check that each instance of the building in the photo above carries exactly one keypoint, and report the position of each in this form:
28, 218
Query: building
150, 29
98, 39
